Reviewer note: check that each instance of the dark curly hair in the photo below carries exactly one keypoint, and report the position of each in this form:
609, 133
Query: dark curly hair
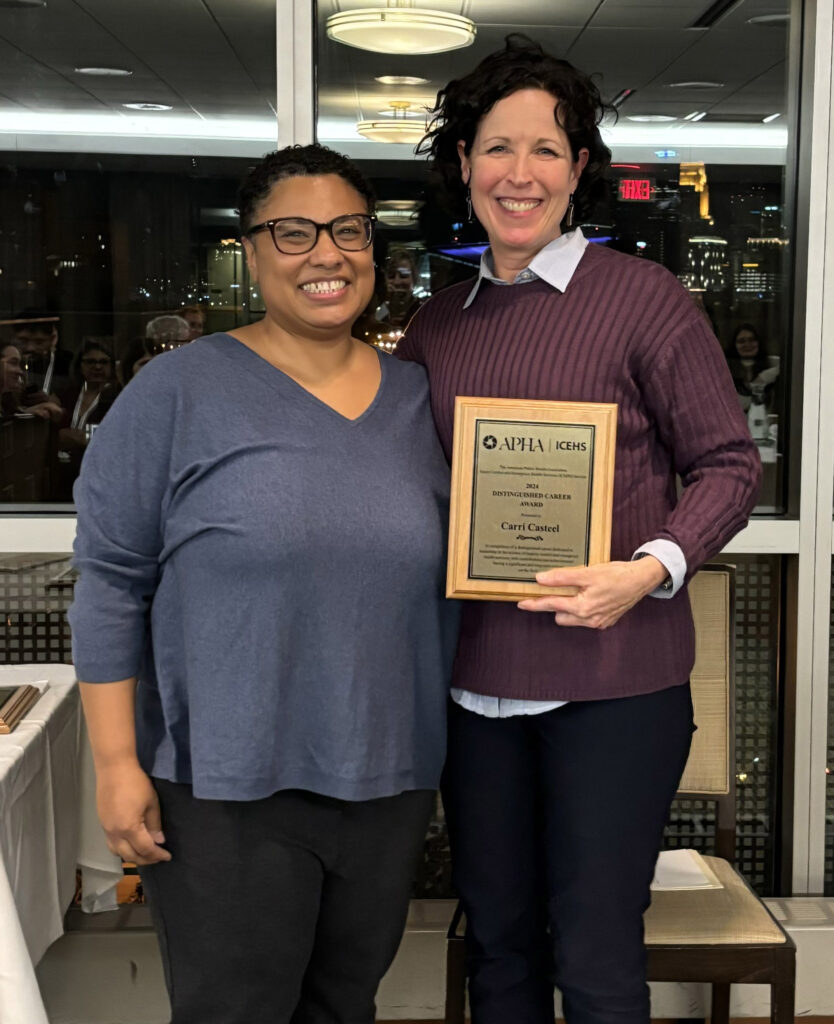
522, 64
296, 162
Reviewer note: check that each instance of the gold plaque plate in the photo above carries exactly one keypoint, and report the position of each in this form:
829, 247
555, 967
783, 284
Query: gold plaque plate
532, 489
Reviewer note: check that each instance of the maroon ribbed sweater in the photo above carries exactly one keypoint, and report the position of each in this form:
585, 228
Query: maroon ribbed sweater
624, 331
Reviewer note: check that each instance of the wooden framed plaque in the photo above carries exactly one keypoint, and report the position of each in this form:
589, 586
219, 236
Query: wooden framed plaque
532, 489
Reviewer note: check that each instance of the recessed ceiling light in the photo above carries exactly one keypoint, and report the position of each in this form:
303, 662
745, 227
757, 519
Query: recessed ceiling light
769, 118
401, 30
694, 85
770, 20
401, 80
148, 106
696, 115
103, 72
22, 3
650, 117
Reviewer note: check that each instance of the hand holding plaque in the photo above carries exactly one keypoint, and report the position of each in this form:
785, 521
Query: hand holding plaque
532, 489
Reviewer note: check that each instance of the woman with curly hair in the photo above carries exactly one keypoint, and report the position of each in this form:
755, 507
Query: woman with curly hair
568, 737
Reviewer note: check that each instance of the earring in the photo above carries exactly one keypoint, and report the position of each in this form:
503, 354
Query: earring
468, 206
569, 214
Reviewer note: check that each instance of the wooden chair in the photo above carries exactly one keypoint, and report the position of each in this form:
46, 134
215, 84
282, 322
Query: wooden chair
719, 936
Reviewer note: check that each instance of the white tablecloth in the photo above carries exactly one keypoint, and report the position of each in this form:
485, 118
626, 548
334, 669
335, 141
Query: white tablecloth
47, 827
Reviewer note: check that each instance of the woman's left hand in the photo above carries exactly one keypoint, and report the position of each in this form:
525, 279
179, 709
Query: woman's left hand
604, 593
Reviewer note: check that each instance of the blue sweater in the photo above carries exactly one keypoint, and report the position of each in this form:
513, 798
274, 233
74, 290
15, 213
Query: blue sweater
274, 575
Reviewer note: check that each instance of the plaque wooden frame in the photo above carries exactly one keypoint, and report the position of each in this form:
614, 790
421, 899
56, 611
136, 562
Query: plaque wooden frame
468, 411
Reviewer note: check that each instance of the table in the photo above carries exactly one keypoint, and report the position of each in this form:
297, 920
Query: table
47, 827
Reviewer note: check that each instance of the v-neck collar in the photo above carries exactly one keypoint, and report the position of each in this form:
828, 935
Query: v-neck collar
264, 370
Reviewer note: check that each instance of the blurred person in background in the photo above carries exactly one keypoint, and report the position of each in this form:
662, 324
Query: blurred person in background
196, 320
754, 372
15, 397
166, 332
85, 403
47, 364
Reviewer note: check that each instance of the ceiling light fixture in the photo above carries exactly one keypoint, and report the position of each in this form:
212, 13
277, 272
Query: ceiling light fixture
622, 96
650, 118
398, 212
769, 118
397, 128
148, 106
696, 115
104, 72
697, 84
22, 3
401, 80
401, 28
770, 20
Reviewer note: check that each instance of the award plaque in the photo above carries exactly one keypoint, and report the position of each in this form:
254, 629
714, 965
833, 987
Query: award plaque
532, 489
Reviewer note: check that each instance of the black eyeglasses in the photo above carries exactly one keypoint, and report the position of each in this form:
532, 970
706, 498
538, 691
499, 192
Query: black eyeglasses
87, 361
294, 236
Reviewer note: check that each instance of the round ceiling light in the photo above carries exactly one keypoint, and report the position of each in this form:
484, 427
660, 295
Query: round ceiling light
401, 80
104, 72
397, 128
148, 106
398, 212
403, 30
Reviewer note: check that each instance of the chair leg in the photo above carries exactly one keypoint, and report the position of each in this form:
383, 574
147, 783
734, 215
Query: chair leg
455, 981
782, 1004
720, 1013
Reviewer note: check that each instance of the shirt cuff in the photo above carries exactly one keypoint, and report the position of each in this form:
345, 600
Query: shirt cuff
670, 555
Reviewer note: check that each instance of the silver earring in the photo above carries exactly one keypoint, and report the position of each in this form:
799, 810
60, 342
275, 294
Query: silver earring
569, 214
468, 206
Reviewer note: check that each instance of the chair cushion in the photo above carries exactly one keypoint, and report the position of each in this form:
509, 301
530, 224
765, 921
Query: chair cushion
732, 915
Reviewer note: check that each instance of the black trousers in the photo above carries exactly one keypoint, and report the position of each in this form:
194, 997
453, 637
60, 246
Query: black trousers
555, 823
288, 909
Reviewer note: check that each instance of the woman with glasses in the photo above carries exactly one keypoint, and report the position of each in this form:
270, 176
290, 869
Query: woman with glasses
261, 540
92, 391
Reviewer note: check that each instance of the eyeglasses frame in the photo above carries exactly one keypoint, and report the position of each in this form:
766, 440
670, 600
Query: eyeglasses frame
268, 225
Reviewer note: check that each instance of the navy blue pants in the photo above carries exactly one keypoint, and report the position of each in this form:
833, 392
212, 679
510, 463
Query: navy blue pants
555, 822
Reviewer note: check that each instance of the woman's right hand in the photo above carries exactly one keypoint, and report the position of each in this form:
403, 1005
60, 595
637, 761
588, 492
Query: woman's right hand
128, 809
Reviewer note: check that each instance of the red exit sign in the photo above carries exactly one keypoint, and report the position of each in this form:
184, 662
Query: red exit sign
635, 190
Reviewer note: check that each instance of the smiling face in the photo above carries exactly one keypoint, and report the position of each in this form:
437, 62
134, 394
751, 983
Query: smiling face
320, 293
11, 369
747, 344
521, 173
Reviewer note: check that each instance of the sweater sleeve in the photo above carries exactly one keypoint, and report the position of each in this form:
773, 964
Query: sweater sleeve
119, 496
690, 394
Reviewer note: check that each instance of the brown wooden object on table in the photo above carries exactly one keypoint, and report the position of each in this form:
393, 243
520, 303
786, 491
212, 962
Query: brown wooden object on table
14, 703
719, 936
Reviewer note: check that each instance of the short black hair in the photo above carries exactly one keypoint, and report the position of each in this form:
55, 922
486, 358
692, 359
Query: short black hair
522, 64
296, 162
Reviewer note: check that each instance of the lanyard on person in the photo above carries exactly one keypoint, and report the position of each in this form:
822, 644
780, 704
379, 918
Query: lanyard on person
79, 419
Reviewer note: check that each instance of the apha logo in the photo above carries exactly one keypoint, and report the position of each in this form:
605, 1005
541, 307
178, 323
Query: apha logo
514, 444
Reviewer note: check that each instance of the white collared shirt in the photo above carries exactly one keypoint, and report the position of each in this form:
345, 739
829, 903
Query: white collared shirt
556, 264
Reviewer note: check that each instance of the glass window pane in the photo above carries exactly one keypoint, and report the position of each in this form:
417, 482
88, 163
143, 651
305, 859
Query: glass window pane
700, 182
118, 230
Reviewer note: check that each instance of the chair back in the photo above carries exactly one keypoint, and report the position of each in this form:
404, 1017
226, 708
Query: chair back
710, 770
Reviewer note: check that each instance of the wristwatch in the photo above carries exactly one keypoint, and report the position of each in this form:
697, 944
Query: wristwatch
667, 585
